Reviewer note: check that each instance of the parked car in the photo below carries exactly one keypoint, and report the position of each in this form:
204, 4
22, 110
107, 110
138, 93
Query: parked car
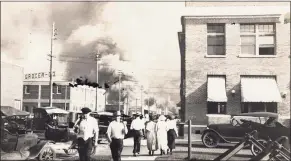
21, 143
240, 125
53, 122
14, 120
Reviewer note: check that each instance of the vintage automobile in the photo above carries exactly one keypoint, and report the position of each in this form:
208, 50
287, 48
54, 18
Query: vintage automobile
53, 122
264, 122
29, 146
15, 121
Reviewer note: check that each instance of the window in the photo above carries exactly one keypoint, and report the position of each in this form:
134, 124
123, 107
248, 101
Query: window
257, 39
26, 90
259, 107
216, 107
215, 39
57, 89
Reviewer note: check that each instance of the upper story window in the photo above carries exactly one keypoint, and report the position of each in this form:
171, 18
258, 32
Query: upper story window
215, 39
26, 90
257, 39
57, 89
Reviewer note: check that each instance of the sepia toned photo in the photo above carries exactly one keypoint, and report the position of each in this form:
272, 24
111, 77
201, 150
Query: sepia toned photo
145, 80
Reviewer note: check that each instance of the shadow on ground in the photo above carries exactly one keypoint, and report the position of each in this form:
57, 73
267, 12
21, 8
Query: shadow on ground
182, 156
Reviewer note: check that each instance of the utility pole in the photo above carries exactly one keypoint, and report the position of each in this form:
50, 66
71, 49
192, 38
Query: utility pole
136, 106
53, 37
97, 73
119, 99
141, 101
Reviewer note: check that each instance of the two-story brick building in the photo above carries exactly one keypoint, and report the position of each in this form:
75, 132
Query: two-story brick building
36, 94
233, 64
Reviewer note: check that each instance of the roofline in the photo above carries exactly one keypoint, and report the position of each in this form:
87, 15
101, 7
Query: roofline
230, 16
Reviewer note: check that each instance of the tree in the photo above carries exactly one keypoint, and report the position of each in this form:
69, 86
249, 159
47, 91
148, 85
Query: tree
150, 101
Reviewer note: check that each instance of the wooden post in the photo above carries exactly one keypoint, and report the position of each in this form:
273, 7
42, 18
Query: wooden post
189, 139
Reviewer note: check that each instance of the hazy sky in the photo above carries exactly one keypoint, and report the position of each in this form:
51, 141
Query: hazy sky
145, 33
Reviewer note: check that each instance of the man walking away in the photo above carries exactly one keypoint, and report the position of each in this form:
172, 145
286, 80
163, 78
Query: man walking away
87, 129
137, 126
115, 134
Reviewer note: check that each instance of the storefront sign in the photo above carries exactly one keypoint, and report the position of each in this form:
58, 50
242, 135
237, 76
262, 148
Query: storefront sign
39, 75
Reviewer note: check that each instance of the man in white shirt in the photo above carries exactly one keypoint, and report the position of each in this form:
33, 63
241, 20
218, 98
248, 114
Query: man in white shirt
115, 133
87, 131
137, 126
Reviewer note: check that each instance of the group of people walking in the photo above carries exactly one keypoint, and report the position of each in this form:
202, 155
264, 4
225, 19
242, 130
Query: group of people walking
160, 133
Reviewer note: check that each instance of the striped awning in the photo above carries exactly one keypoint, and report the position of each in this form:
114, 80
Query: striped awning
259, 89
216, 89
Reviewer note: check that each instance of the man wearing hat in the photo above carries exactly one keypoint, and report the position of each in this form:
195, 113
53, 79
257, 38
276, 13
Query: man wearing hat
137, 125
87, 130
115, 133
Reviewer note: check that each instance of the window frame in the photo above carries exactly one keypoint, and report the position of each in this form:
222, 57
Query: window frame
257, 34
216, 34
26, 89
217, 109
58, 89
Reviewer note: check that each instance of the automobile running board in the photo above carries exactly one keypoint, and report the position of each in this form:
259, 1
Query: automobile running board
234, 150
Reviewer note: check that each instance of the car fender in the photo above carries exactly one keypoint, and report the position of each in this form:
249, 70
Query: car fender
211, 130
35, 150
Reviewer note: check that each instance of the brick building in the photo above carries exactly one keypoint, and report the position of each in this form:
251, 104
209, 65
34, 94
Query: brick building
11, 85
234, 63
36, 94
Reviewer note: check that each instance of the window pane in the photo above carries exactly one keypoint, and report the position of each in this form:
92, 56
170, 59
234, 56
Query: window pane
215, 50
248, 49
266, 40
247, 28
215, 28
215, 40
248, 40
266, 28
266, 51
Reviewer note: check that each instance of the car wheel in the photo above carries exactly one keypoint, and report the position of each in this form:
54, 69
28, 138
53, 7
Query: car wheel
210, 139
255, 151
47, 153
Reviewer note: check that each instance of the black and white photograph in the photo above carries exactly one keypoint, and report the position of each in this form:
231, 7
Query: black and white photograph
144, 80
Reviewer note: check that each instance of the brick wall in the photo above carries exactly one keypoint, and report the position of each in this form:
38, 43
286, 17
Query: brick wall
11, 84
45, 92
29, 106
33, 92
198, 66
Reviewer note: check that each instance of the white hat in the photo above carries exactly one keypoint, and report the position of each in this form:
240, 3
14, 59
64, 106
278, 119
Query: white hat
162, 118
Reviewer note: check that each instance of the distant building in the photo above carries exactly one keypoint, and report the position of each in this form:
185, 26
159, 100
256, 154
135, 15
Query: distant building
11, 85
36, 94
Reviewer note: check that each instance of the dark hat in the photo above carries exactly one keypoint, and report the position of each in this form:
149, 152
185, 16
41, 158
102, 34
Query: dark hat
116, 114
85, 110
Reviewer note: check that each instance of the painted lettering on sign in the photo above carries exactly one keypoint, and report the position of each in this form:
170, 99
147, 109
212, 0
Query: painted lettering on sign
39, 75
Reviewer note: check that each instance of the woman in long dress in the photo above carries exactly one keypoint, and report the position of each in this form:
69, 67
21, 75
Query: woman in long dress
161, 129
172, 133
151, 136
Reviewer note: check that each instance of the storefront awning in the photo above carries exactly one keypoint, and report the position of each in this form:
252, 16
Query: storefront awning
259, 89
216, 89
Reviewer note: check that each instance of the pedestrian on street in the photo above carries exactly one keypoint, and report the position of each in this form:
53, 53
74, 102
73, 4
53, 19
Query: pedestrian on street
88, 131
151, 136
137, 126
172, 133
115, 134
162, 129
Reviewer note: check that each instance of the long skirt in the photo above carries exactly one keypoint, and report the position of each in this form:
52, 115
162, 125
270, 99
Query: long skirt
162, 139
151, 141
171, 138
